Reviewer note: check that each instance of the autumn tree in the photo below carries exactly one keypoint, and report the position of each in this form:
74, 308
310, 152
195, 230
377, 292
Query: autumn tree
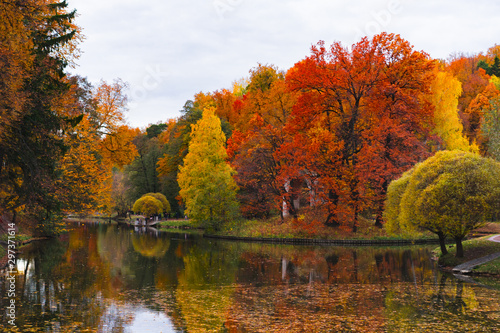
360, 121
38, 41
175, 140
475, 112
392, 209
163, 199
82, 176
253, 147
121, 202
16, 59
446, 90
473, 79
451, 193
117, 148
148, 205
99, 142
205, 179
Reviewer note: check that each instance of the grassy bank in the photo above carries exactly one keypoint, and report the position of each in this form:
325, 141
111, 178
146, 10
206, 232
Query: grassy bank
492, 267
473, 249
180, 223
304, 228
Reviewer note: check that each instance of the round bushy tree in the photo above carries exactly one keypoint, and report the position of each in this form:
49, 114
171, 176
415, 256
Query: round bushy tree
163, 199
451, 193
148, 205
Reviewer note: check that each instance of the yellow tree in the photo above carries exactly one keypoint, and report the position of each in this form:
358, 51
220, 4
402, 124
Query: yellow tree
163, 199
395, 192
452, 193
110, 104
496, 81
446, 90
206, 180
148, 205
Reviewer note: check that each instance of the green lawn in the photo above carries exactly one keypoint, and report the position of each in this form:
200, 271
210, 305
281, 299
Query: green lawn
492, 267
181, 223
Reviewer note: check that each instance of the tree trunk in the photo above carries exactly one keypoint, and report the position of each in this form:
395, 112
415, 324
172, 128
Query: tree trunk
460, 248
442, 244
331, 221
378, 221
355, 222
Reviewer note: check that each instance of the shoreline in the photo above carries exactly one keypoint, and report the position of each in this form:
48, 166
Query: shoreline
313, 241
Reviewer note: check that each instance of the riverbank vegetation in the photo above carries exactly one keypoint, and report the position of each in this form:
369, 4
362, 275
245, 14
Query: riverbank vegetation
309, 225
308, 151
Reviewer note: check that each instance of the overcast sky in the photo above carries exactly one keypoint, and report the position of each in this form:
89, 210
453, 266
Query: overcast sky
169, 50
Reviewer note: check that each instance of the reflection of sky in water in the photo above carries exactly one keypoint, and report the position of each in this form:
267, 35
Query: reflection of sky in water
149, 321
134, 319
21, 265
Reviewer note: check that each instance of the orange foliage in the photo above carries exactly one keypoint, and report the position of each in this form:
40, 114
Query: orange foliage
359, 122
475, 110
473, 79
262, 115
117, 148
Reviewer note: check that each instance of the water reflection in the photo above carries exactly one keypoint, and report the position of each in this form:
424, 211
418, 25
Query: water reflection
103, 278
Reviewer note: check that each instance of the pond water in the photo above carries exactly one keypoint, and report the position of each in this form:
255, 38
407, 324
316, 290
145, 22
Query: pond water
103, 278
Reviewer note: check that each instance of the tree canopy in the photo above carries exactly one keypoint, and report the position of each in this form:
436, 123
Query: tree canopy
148, 205
162, 198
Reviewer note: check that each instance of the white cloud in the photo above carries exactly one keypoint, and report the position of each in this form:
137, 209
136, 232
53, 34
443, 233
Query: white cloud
204, 45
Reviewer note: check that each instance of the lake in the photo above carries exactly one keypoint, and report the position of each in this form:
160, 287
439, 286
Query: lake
106, 278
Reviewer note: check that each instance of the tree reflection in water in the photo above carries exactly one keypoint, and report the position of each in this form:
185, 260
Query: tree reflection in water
109, 279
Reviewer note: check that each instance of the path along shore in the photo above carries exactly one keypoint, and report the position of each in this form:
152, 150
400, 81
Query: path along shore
467, 267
